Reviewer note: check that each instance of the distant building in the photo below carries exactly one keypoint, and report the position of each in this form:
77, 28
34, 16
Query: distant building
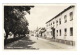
62, 26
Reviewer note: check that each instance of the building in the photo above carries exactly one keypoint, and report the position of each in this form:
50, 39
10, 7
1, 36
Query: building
62, 28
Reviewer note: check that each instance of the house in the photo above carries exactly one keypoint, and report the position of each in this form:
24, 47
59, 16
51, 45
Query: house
62, 27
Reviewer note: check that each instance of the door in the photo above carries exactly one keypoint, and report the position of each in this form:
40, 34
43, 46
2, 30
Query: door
54, 33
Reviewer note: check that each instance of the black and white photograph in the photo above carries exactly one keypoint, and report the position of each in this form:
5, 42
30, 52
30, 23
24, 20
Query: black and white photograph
40, 26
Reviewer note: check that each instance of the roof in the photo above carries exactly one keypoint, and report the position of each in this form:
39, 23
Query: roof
61, 13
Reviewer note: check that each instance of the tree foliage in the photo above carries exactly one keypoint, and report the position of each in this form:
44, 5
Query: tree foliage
14, 19
42, 31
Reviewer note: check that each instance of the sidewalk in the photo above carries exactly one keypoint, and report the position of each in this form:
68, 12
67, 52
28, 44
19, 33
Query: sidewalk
61, 45
22, 43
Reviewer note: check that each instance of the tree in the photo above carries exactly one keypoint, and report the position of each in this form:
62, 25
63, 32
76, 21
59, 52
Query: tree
42, 31
14, 20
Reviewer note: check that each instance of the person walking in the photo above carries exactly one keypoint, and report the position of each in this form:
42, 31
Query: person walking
37, 36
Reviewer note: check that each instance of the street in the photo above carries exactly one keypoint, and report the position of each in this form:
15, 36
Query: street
47, 27
36, 43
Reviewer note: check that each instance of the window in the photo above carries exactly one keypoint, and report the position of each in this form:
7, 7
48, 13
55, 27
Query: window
65, 32
60, 32
71, 31
71, 16
59, 21
57, 32
51, 33
56, 23
65, 19
49, 24
53, 22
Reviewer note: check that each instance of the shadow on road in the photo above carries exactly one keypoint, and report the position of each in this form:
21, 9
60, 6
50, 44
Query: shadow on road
23, 43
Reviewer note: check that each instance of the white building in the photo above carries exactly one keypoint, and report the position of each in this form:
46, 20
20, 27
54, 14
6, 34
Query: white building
62, 27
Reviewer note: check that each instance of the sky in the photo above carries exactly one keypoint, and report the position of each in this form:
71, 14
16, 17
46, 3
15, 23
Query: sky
40, 14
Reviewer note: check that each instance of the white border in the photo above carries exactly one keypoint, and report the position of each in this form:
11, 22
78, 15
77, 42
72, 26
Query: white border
16, 52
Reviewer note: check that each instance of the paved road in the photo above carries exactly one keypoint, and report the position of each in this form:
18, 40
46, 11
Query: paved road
43, 44
35, 43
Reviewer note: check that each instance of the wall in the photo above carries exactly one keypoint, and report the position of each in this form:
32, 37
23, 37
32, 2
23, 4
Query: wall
63, 25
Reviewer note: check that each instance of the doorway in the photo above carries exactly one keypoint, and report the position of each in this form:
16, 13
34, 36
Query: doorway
53, 32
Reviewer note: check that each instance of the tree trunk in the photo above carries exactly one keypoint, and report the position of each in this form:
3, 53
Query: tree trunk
5, 41
6, 36
14, 35
18, 35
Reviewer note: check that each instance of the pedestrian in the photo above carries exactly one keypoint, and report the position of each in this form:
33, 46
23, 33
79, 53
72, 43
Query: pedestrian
37, 37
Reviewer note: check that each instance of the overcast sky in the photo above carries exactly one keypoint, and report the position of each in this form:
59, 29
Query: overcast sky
41, 14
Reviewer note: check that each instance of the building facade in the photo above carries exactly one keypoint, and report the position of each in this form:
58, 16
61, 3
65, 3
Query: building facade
62, 28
